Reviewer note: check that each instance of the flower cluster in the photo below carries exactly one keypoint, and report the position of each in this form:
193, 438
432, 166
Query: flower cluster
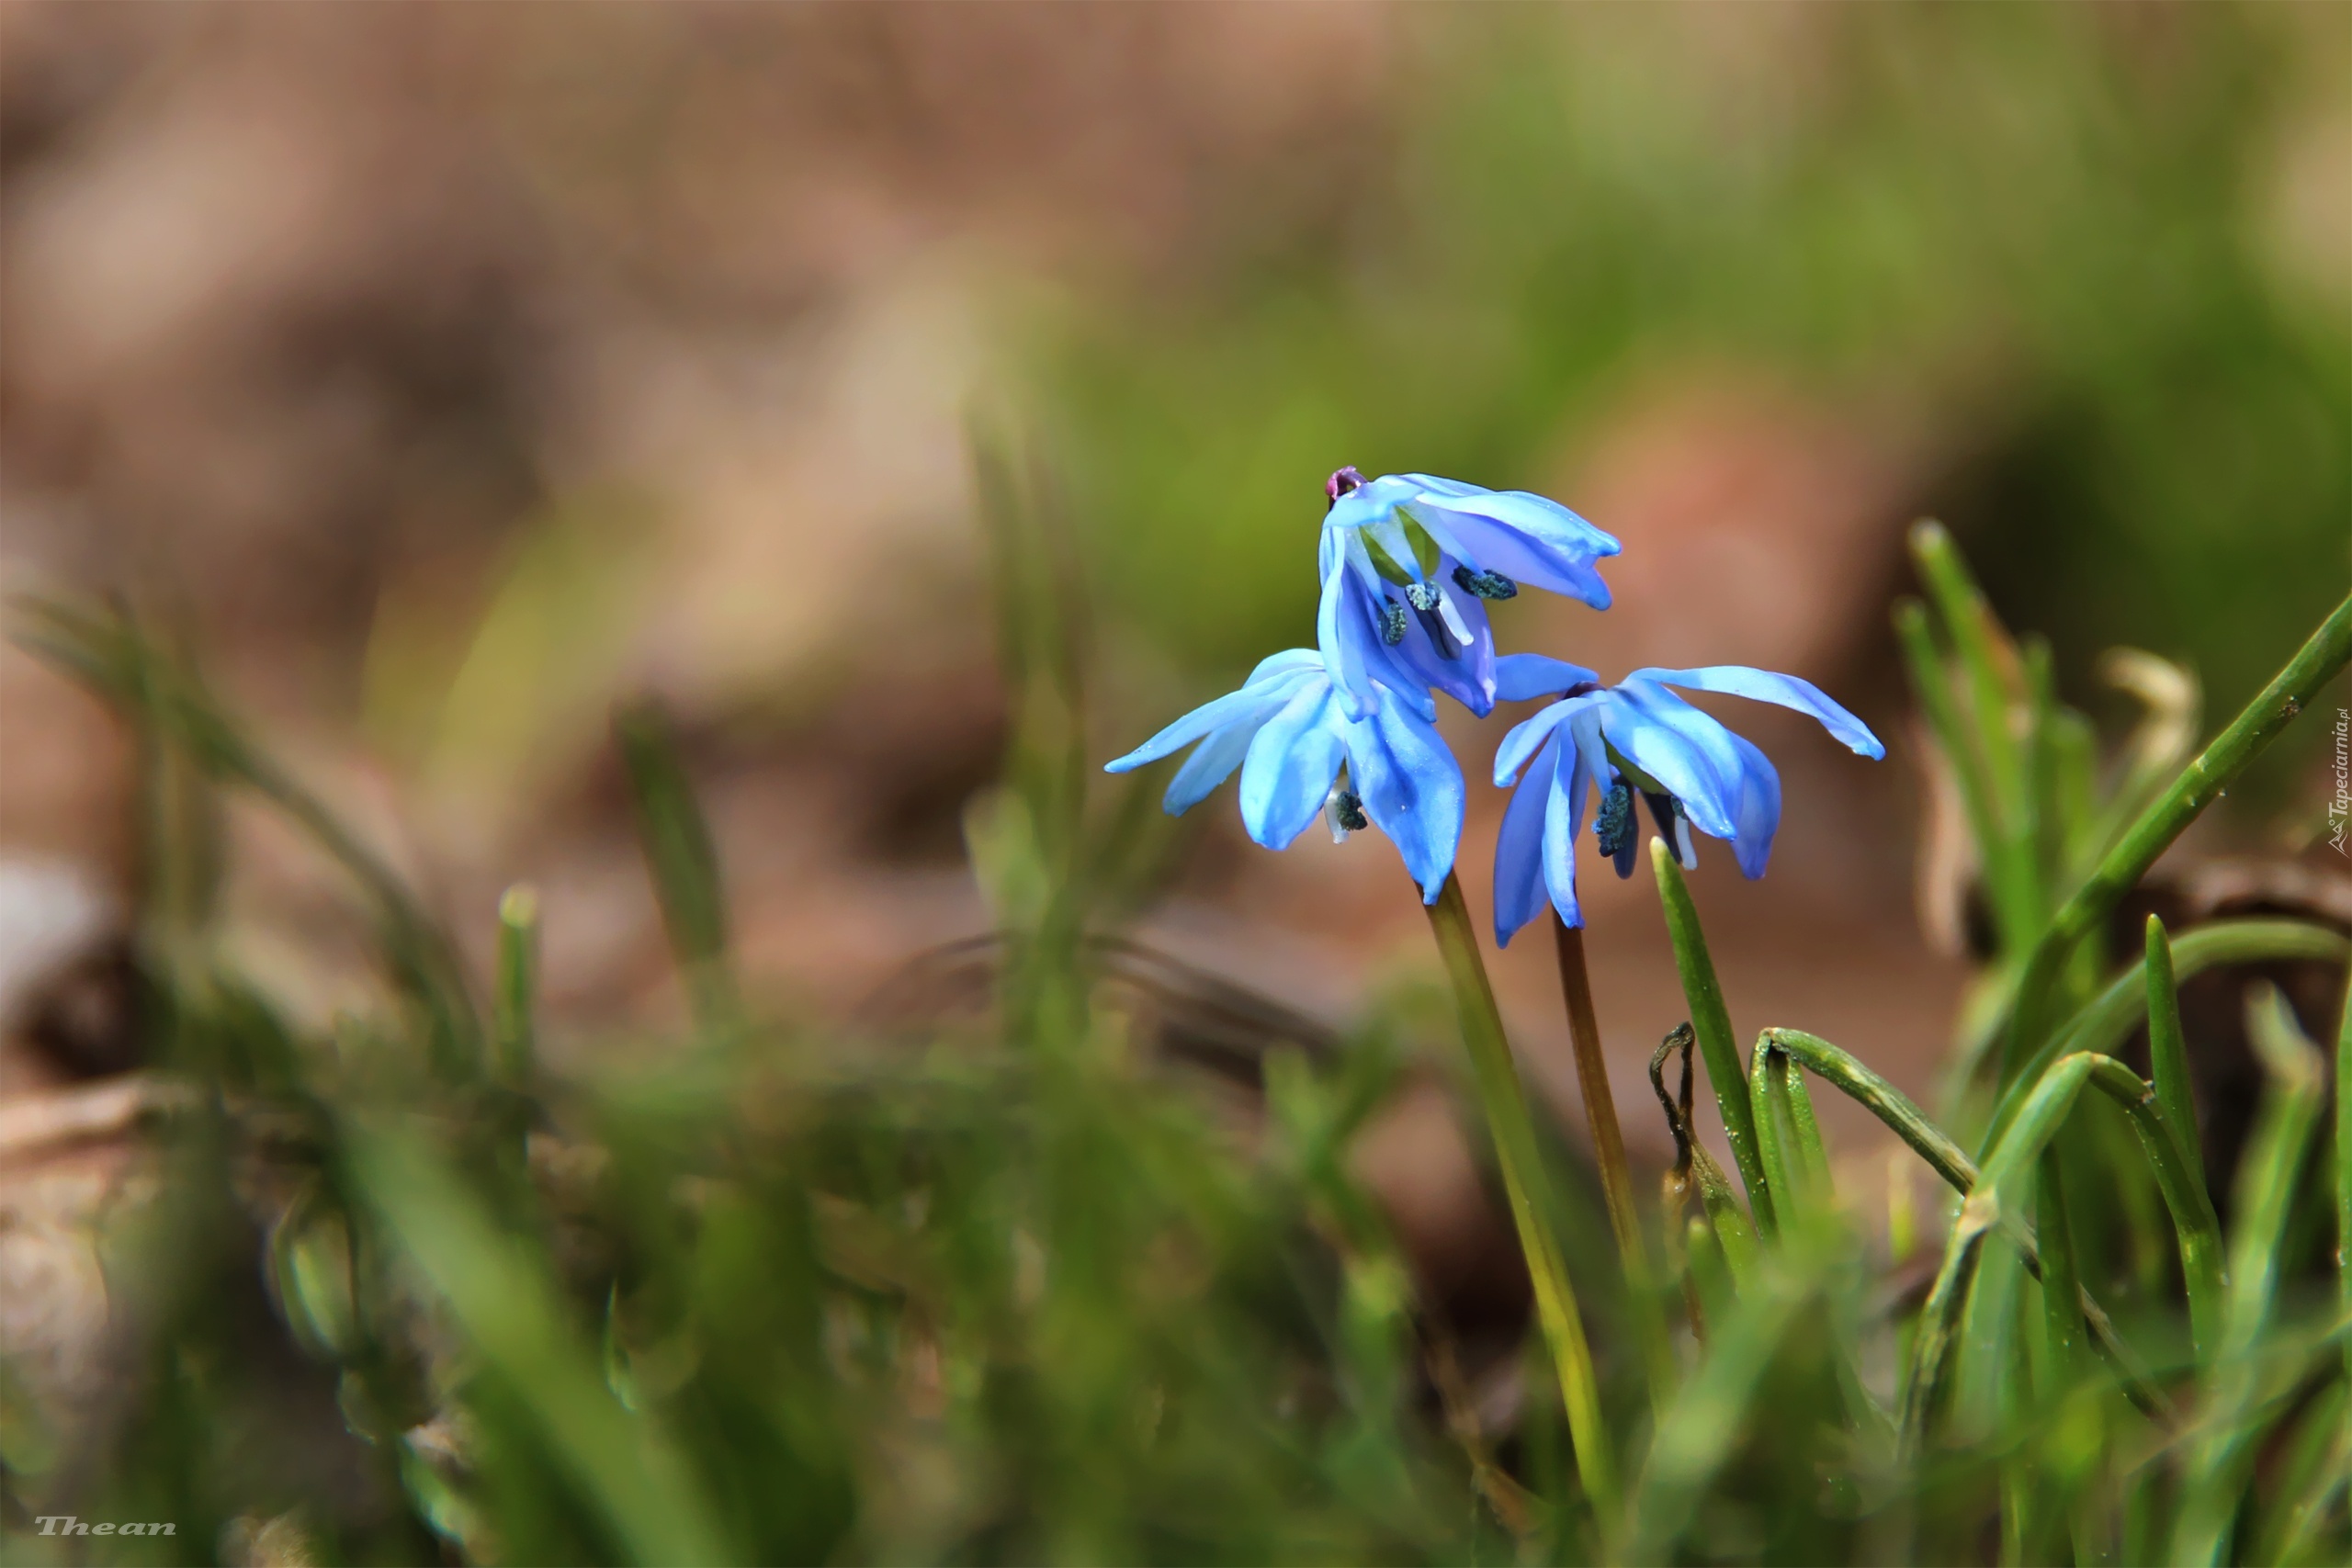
1348, 728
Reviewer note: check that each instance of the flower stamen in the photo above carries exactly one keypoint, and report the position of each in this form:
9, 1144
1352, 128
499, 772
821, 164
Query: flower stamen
1485, 584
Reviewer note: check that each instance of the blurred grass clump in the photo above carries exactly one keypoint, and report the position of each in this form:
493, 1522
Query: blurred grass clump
1021, 1283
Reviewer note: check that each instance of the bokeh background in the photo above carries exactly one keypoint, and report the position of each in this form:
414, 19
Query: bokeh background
440, 374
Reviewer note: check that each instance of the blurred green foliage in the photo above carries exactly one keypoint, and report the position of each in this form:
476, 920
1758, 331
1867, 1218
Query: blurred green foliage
2041, 231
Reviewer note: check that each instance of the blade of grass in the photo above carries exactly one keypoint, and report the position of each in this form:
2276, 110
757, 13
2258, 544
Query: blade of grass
678, 851
1711, 1019
2267, 1177
2315, 664
2197, 1230
2168, 1049
1712, 1406
508, 1308
2103, 1023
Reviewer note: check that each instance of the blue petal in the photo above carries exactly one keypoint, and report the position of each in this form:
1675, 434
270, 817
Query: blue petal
1671, 741
1412, 790
1519, 676
1563, 821
1519, 848
1527, 737
1209, 765
1252, 704
1288, 772
1766, 686
1759, 817
1492, 546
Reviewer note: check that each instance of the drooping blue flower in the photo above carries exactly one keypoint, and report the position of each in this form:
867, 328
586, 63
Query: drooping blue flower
1300, 752
1636, 738
1408, 562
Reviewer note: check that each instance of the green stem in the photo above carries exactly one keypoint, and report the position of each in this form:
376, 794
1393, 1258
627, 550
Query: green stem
2196, 1228
2344, 1188
1710, 1020
2166, 816
512, 1027
1504, 1102
2168, 1050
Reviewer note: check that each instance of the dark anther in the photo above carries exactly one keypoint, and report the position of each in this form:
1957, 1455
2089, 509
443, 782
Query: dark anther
1661, 812
1614, 827
1347, 806
1341, 481
1392, 622
1421, 596
1485, 584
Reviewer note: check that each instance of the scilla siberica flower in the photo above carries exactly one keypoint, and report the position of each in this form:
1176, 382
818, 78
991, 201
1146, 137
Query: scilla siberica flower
1407, 563
1635, 737
1301, 751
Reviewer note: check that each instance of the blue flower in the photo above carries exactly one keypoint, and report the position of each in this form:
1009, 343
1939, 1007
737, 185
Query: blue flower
1291, 736
1636, 738
1407, 563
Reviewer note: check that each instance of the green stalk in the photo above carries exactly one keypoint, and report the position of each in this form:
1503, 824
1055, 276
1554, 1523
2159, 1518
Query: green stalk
2105, 1021
1775, 1131
2011, 911
2195, 1229
2314, 665
2344, 1188
2061, 1319
1504, 1102
2267, 1177
2168, 1050
2045, 1111
512, 1033
1711, 1019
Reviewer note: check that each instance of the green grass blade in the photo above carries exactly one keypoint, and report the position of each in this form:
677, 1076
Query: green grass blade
679, 854
2197, 1230
1881, 1099
1712, 1407
2061, 1319
2107, 1021
506, 1305
513, 1030
2168, 1049
1718, 1047
1994, 1197
2014, 910
2257, 724
2267, 1177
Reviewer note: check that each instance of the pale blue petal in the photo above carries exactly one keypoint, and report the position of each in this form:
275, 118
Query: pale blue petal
1411, 788
1252, 704
1519, 848
1519, 676
1526, 738
1289, 662
1288, 772
1563, 821
1766, 686
1759, 817
1342, 640
1496, 547
1212, 761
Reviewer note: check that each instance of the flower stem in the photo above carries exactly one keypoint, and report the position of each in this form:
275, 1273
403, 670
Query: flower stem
1600, 1107
1504, 1102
